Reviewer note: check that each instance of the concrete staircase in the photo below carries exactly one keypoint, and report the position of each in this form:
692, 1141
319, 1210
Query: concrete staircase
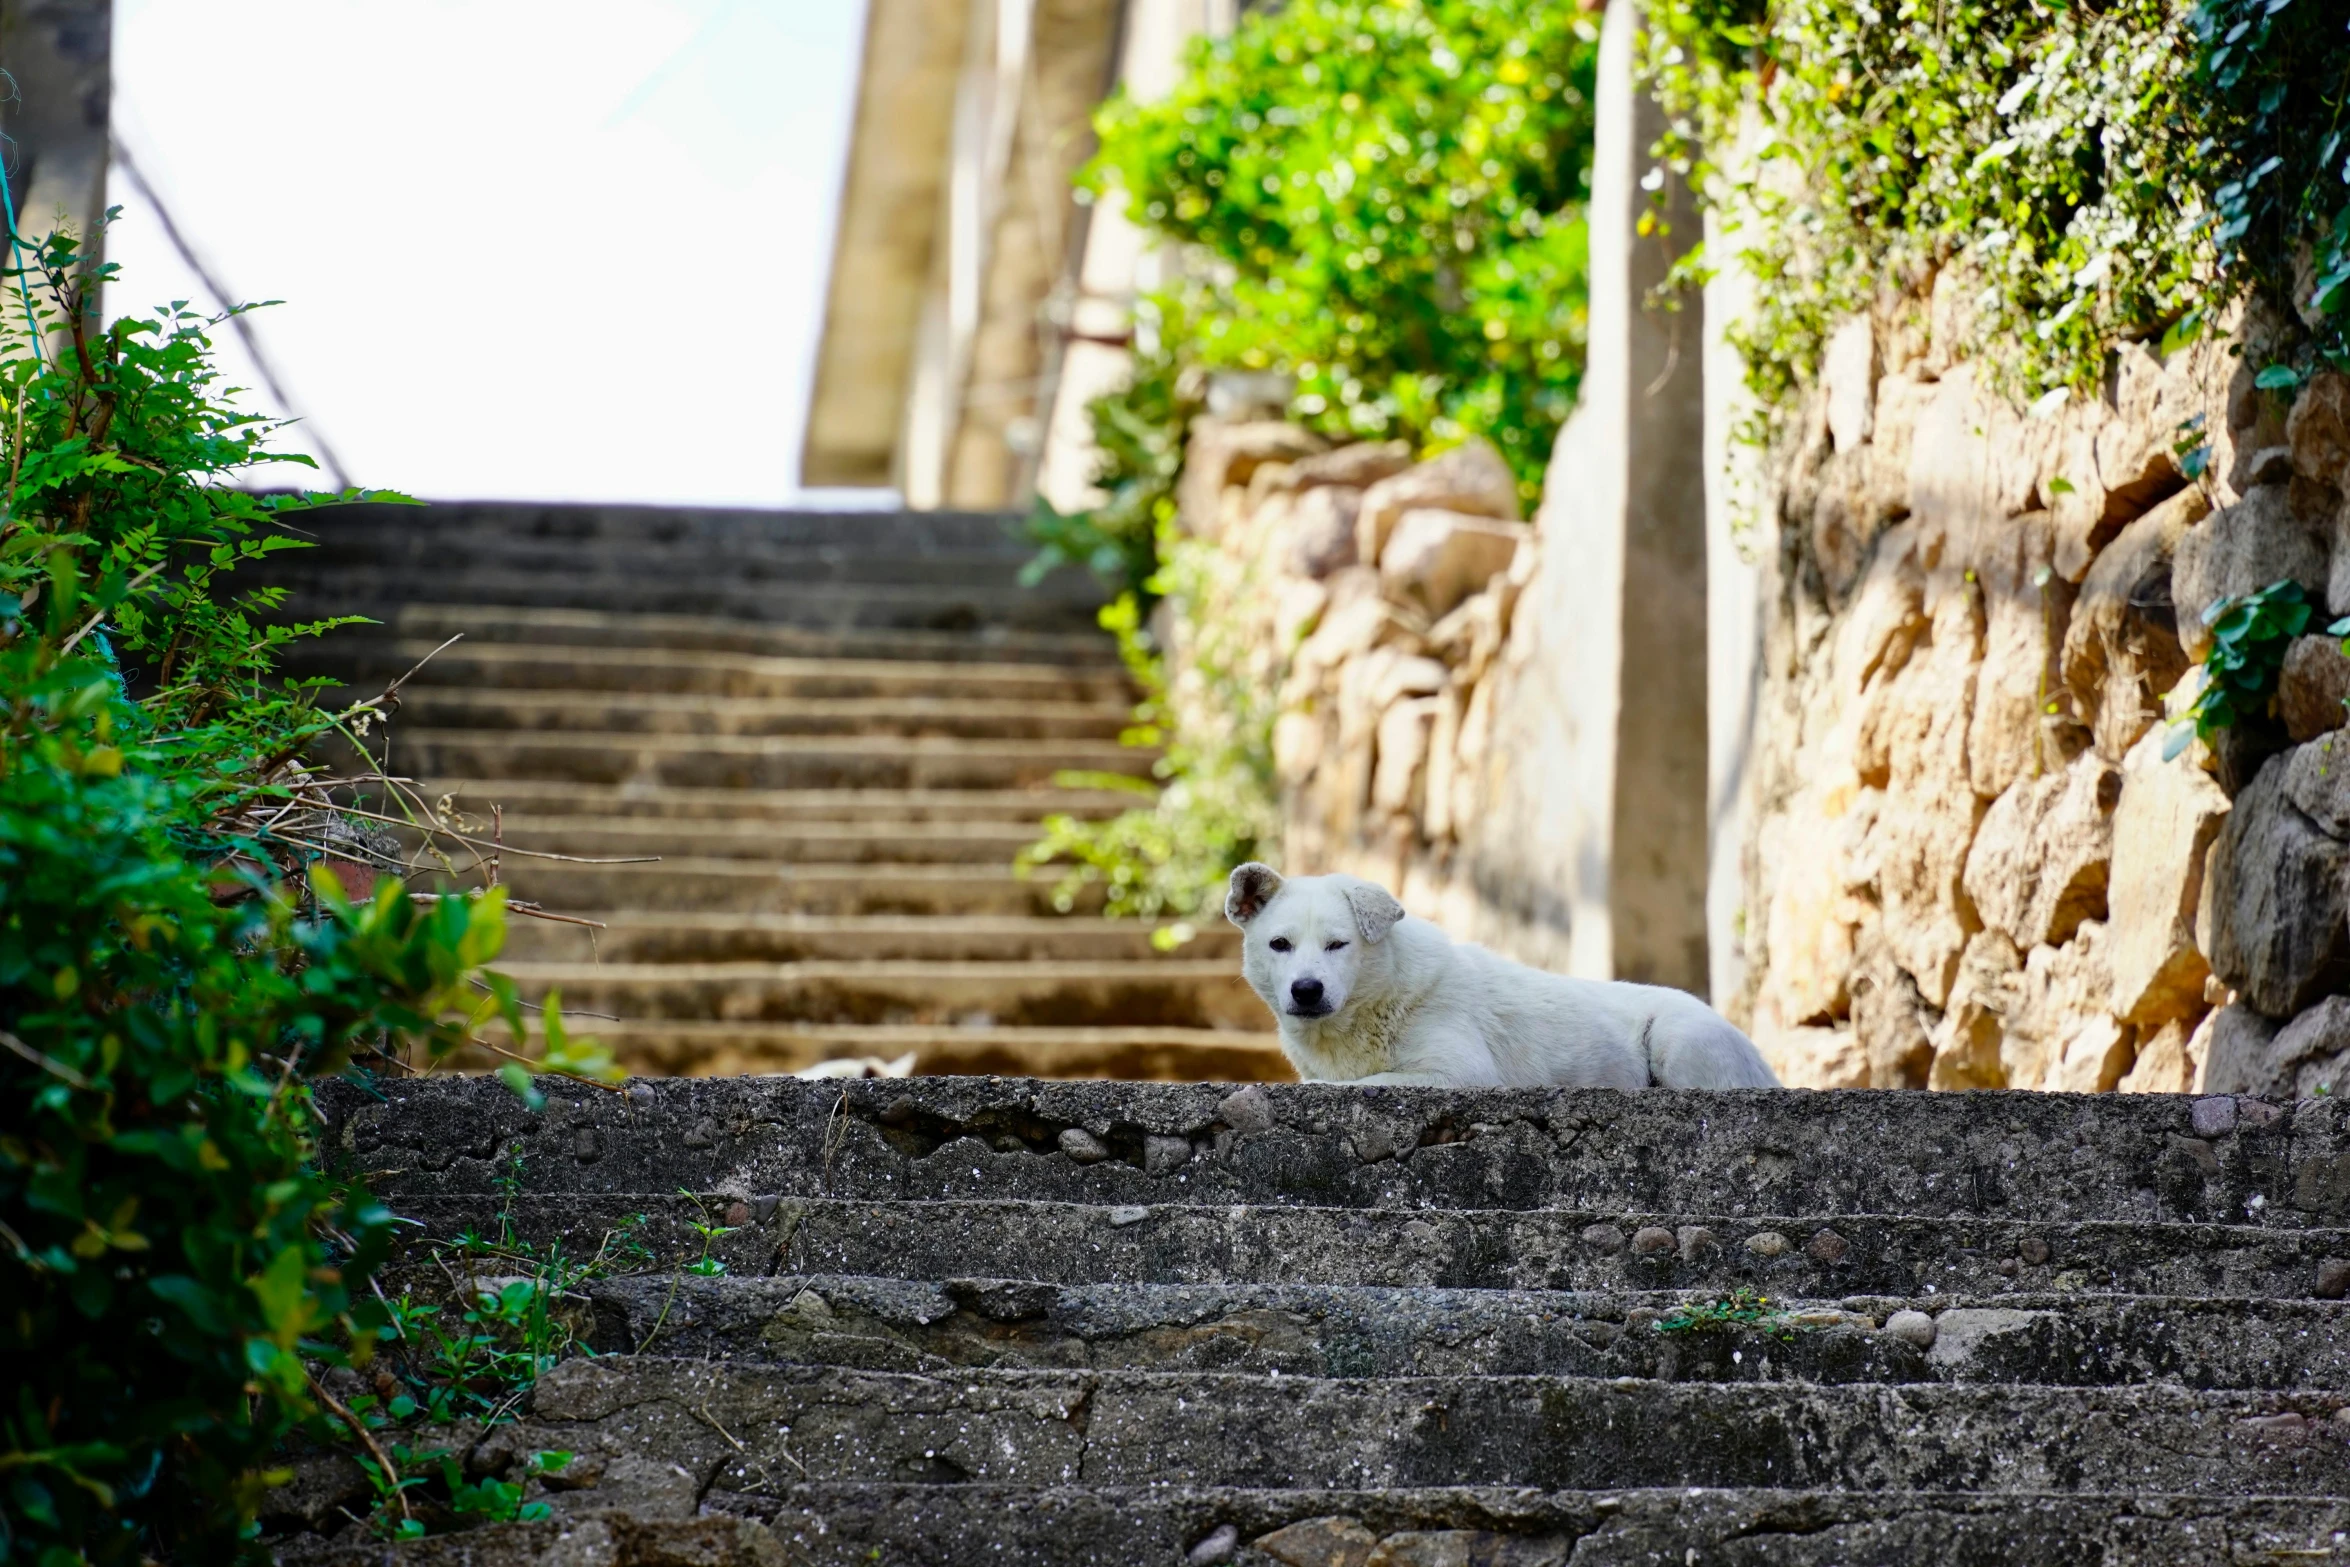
978, 1320
834, 731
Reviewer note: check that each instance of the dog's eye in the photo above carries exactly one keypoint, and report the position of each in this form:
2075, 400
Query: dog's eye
1279, 943
1334, 946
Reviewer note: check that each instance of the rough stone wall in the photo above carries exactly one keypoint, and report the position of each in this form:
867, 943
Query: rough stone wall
1382, 596
1971, 865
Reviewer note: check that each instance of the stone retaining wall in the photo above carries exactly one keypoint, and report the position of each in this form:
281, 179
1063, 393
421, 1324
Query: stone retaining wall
1967, 862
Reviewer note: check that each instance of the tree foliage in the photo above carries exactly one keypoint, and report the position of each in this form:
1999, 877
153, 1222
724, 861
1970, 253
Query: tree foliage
1383, 198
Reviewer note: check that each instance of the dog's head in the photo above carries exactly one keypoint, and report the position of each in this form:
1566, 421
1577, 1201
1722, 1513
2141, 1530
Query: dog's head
1309, 940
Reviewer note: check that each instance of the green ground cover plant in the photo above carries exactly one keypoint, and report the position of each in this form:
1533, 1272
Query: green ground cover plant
176, 961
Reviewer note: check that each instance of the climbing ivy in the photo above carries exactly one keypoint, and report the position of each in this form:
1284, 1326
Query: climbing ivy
1383, 198
2095, 173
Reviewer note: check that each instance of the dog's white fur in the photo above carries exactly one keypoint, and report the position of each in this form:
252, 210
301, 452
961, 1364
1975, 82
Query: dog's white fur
1365, 993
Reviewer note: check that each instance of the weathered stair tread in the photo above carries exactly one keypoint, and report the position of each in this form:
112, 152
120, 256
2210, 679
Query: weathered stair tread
636, 800
481, 620
1212, 1428
705, 883
820, 605
1158, 1526
1148, 992
586, 667
1183, 1242
952, 716
853, 842
686, 1048
897, 1324
2016, 1157
638, 936
761, 761
591, 522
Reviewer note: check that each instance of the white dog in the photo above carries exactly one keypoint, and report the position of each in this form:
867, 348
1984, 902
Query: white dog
1365, 993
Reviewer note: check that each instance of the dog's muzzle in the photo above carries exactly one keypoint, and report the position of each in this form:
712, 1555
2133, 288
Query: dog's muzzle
1306, 999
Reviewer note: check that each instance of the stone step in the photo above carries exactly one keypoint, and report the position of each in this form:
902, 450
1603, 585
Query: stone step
734, 1426
842, 843
487, 623
369, 661
468, 554
758, 762
702, 884
1157, 993
684, 1048
587, 526
2021, 1157
635, 936
440, 706
373, 590
661, 802
894, 1324
922, 1525
1181, 1241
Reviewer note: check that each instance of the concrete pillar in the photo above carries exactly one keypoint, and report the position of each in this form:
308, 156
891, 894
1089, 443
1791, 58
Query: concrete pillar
60, 55
1602, 803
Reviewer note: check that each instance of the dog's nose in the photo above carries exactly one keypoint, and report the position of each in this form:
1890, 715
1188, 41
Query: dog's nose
1306, 992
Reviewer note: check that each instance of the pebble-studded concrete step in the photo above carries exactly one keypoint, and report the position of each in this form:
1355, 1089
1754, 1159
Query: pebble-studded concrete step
1817, 1256
443, 706
818, 605
892, 1324
2020, 1157
685, 1048
588, 524
751, 560
633, 936
738, 1426
841, 843
484, 622
709, 885
760, 761
1154, 993
360, 660
1169, 1526
637, 801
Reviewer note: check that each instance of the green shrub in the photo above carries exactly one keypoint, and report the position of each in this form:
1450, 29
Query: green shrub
1383, 198
1139, 431
173, 965
2110, 172
2250, 636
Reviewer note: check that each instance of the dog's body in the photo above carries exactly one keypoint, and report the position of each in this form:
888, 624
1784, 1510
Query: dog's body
1365, 993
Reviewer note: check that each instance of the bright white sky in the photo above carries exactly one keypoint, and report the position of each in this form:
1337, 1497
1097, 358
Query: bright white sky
542, 249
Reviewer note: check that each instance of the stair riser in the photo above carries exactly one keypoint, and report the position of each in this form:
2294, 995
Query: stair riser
887, 1325
585, 526
443, 708
1137, 1055
1174, 1243
1018, 996
1041, 1428
934, 1526
634, 939
778, 764
373, 592
512, 625
1591, 1150
685, 560
955, 843
747, 887
366, 664
1021, 808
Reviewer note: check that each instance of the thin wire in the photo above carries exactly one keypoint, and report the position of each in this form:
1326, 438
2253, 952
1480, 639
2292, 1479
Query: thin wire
8, 210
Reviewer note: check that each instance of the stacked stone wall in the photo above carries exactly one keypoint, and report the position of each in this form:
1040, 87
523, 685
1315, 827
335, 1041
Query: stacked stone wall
1972, 864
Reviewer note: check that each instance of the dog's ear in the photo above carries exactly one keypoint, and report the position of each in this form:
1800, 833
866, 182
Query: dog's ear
1375, 911
1251, 888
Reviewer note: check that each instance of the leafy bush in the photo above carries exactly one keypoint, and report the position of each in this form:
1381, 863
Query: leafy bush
173, 966
1139, 430
2104, 172
1215, 804
1383, 198
2048, 143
